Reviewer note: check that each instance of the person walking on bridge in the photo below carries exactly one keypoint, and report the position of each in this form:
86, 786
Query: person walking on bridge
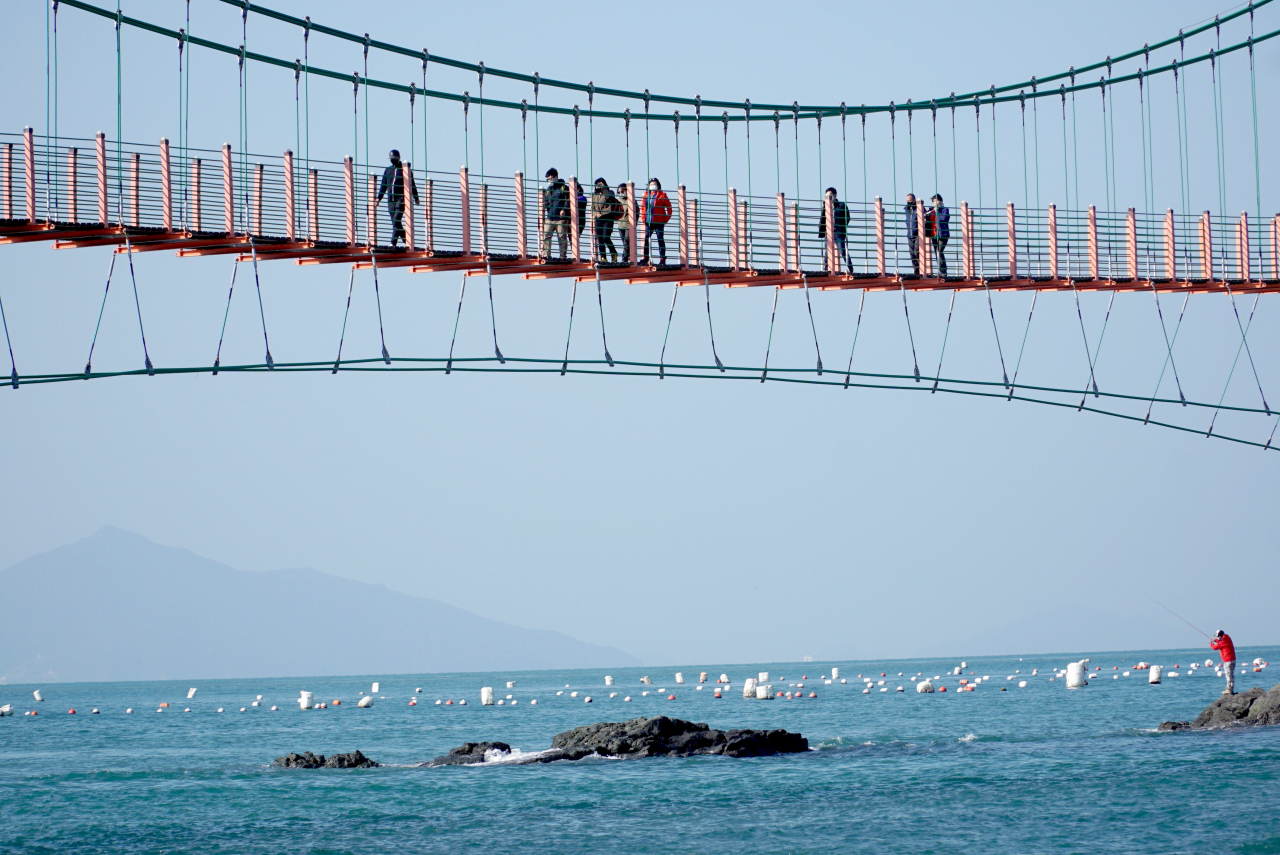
937, 226
1222, 643
657, 213
393, 188
913, 231
555, 215
840, 228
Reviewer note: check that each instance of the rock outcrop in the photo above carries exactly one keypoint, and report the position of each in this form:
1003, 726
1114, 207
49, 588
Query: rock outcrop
1254, 707
640, 737
307, 760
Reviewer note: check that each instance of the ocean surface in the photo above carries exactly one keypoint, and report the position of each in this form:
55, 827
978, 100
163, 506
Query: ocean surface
1034, 769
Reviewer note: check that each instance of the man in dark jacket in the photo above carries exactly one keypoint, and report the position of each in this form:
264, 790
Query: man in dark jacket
840, 221
938, 227
913, 231
555, 212
392, 187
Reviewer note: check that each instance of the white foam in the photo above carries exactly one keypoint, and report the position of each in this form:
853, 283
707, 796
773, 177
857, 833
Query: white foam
968, 737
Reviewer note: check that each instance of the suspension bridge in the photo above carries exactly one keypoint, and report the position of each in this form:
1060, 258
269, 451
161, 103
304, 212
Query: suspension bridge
100, 191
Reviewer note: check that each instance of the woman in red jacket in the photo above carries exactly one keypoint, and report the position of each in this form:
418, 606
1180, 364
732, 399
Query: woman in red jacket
656, 209
1222, 643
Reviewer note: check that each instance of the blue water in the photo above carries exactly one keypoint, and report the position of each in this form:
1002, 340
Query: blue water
1040, 769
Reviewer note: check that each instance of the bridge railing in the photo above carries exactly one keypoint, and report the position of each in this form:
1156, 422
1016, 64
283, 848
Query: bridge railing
204, 194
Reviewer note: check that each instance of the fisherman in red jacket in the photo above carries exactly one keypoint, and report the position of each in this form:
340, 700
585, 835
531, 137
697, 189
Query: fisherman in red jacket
1222, 643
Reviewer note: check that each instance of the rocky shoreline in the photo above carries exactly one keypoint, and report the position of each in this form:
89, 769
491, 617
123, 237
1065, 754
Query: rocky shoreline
640, 737
1255, 707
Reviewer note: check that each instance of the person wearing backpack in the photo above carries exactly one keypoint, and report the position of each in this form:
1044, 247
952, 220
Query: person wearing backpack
656, 209
605, 211
840, 228
555, 213
938, 223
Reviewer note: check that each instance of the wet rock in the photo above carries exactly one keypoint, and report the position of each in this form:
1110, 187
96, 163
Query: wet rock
470, 752
643, 737
1254, 707
307, 760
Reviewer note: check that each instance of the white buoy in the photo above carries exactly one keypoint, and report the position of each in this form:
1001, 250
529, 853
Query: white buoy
835, 673
257, 703
645, 693
533, 703
259, 697
1208, 663
130, 709
646, 681
376, 689
827, 682
724, 678
191, 693
37, 695
699, 687
511, 684
627, 698
749, 688
1154, 675
956, 670
573, 694
486, 696
702, 678
275, 709
188, 709
866, 691
763, 678
7, 709
843, 680
1076, 675
462, 703
365, 702
501, 702
1022, 684
924, 687
242, 709
613, 694
587, 699
608, 681
964, 664
900, 689
679, 677
764, 693
306, 700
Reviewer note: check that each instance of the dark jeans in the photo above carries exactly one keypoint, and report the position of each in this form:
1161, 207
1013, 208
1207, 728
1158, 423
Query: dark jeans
655, 230
604, 240
395, 209
624, 238
913, 244
842, 252
940, 244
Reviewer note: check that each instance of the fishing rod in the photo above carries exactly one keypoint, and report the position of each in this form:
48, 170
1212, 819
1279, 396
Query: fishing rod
1180, 617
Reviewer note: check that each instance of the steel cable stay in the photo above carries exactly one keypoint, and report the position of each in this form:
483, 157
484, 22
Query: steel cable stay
13, 363
217, 358
1172, 341
351, 281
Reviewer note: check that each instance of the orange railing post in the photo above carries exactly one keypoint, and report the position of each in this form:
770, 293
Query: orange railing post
410, 233
1170, 249
100, 150
880, 260
733, 229
1011, 225
29, 168
574, 231
782, 233
1053, 241
290, 200
682, 203
193, 217
464, 184
349, 185
1093, 242
166, 186
1206, 247
73, 180
228, 192
522, 237
1131, 243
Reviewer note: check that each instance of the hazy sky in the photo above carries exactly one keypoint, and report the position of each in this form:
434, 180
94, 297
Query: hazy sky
673, 519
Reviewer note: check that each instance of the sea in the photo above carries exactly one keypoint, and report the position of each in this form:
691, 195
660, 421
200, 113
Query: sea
1022, 764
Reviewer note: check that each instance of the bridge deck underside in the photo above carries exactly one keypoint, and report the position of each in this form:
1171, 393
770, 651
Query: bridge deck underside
66, 235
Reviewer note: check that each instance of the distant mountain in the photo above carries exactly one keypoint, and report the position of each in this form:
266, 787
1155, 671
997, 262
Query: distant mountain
116, 606
1074, 628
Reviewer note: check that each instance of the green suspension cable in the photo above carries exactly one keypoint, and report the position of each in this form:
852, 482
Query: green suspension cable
844, 151
893, 145
1075, 143
367, 162
1035, 128
955, 171
995, 162
1257, 164
977, 125
911, 148
795, 115
1026, 186
933, 110
481, 73
864, 158
777, 148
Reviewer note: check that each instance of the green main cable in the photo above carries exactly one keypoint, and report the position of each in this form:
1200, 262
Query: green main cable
995, 161
1035, 126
